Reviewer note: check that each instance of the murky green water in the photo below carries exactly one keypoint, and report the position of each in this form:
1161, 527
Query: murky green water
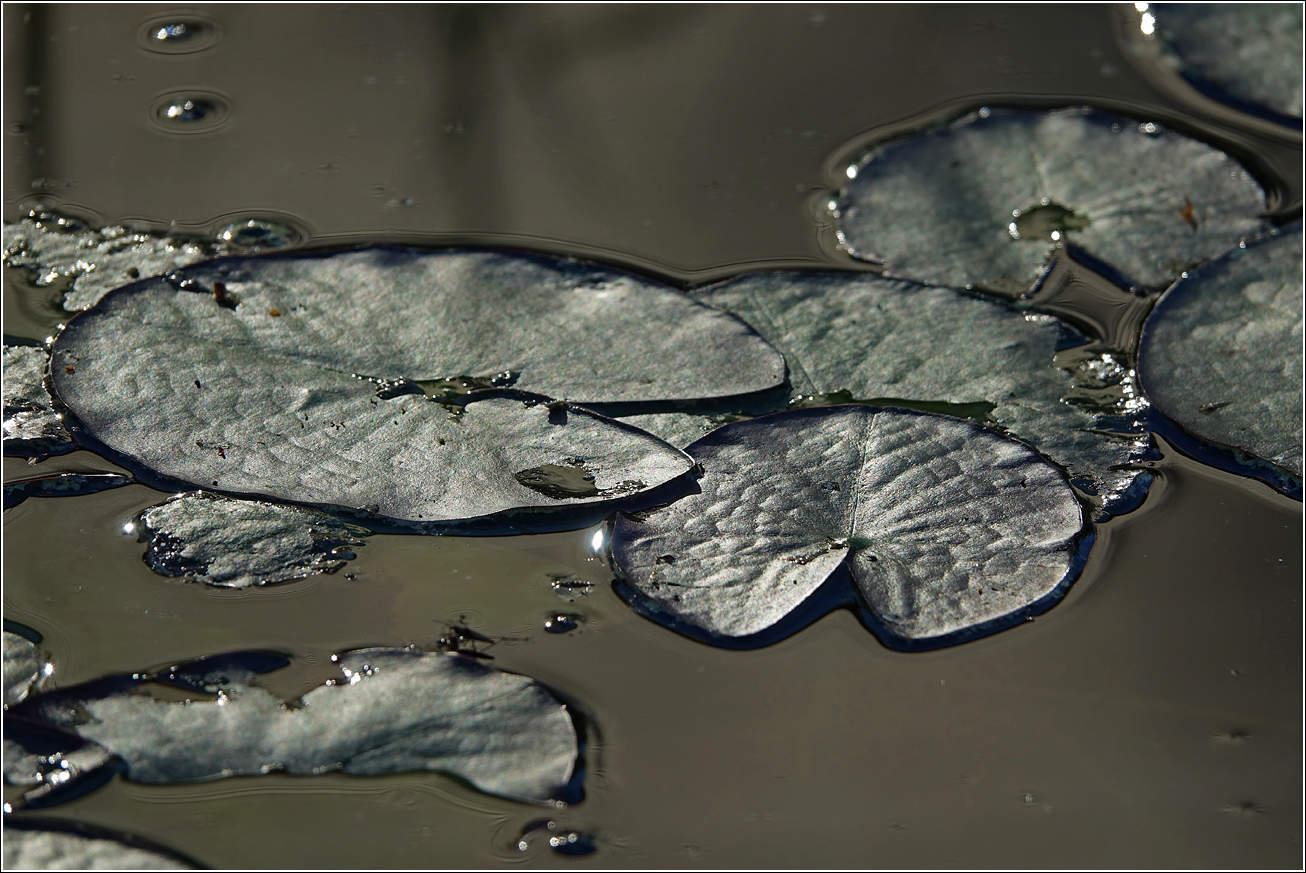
1152, 718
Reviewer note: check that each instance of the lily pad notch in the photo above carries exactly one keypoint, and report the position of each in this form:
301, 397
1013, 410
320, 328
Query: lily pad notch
937, 530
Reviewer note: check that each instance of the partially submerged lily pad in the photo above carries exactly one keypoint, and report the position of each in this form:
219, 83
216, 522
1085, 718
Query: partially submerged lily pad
59, 845
944, 525
863, 337
1222, 352
95, 262
240, 543
988, 200
1242, 53
182, 386
32, 427
66, 484
390, 711
22, 666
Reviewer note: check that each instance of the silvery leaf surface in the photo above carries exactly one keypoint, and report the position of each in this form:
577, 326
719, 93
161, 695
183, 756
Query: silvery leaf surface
22, 666
881, 339
57, 248
177, 384
560, 328
31, 425
988, 200
36, 845
1251, 52
390, 711
1221, 354
241, 543
944, 525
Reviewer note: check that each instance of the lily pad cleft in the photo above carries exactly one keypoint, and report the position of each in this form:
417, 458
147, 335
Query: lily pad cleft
946, 528
989, 200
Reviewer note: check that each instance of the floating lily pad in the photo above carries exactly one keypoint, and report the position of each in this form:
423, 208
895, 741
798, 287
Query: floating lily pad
944, 525
390, 711
560, 328
240, 543
866, 338
57, 845
22, 666
67, 484
32, 428
95, 262
988, 200
1222, 352
1243, 53
179, 385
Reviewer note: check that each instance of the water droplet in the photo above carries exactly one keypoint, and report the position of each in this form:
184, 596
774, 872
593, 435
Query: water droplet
1029, 798
561, 623
177, 35
189, 112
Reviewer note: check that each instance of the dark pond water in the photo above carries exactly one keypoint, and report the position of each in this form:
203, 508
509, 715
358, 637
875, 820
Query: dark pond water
1152, 718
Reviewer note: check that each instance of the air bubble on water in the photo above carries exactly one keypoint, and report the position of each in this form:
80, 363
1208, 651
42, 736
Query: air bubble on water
255, 235
185, 110
173, 32
561, 623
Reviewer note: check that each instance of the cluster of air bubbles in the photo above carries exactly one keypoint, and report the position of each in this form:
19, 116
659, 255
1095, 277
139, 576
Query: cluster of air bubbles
185, 109
174, 32
570, 587
254, 235
564, 842
1147, 23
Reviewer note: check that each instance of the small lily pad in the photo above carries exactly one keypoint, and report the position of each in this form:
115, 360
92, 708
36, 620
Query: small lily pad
389, 711
945, 526
241, 543
32, 427
67, 484
1221, 354
178, 384
1242, 53
889, 342
989, 200
95, 262
60, 845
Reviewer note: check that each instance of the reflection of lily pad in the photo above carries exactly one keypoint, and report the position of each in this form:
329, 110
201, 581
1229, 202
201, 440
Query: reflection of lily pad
390, 711
240, 543
31, 426
59, 845
1244, 52
560, 328
944, 525
1222, 352
891, 342
180, 385
988, 200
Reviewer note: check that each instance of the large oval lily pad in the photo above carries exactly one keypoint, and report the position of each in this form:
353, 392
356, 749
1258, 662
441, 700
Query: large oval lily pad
945, 526
560, 328
1222, 352
229, 543
389, 711
1243, 53
988, 200
179, 385
864, 337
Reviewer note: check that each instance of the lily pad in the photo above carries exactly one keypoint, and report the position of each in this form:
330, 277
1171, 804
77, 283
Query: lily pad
32, 427
94, 262
389, 711
67, 484
58, 845
22, 666
1242, 53
241, 543
945, 526
889, 342
1221, 354
180, 385
989, 200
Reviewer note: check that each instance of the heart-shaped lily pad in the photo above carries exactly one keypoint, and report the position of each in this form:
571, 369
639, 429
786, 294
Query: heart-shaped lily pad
389, 711
891, 342
947, 527
240, 543
1221, 354
988, 200
1241, 53
32, 427
180, 385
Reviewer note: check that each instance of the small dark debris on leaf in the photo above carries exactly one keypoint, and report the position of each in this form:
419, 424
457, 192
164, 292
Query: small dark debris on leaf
1212, 407
225, 300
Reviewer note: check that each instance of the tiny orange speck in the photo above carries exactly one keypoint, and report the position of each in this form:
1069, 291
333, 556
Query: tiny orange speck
274, 312
68, 369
